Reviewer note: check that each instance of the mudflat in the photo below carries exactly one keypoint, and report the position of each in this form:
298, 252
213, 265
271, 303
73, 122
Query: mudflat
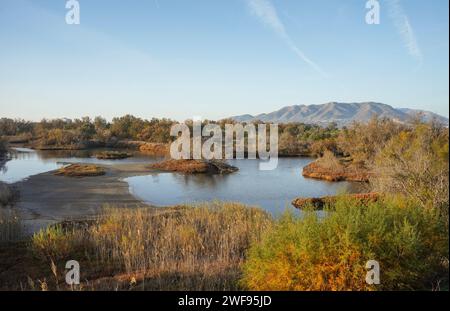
47, 198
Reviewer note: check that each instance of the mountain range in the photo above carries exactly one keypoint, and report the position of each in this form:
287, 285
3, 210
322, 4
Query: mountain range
340, 113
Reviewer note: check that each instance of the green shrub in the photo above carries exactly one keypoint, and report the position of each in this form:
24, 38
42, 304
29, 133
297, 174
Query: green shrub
415, 163
329, 253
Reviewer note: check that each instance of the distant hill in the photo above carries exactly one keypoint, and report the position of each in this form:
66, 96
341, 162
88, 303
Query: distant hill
341, 113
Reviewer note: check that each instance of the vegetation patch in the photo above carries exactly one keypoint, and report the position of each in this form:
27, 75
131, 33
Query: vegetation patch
330, 168
363, 199
313, 252
199, 247
195, 166
156, 149
3, 147
80, 170
8, 195
113, 155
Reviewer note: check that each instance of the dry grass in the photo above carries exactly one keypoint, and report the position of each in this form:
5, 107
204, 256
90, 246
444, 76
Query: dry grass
113, 155
156, 149
331, 168
10, 225
81, 170
7, 196
194, 166
187, 248
320, 203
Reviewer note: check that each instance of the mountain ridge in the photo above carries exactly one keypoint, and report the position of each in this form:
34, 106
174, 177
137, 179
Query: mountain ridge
340, 113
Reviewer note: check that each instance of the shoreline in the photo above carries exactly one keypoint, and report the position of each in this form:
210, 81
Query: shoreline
47, 199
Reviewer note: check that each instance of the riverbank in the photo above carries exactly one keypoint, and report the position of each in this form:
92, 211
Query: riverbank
47, 198
53, 197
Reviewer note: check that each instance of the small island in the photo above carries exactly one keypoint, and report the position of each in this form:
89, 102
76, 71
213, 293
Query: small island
113, 155
195, 166
80, 170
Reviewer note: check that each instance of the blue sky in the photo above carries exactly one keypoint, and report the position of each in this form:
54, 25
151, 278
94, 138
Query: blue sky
216, 58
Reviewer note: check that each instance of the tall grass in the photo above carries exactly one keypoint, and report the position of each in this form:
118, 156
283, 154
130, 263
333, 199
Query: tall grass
10, 225
195, 248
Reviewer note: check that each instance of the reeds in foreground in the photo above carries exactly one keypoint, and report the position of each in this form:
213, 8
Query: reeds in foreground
193, 247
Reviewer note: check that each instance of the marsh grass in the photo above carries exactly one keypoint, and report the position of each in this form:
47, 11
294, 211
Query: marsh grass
7, 195
80, 170
113, 155
10, 225
194, 247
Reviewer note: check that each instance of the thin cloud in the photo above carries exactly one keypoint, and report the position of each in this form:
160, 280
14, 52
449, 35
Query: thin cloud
404, 29
267, 14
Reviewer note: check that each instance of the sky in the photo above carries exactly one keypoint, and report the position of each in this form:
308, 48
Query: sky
219, 58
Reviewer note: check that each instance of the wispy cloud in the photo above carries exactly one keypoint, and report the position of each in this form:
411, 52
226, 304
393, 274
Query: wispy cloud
405, 30
267, 14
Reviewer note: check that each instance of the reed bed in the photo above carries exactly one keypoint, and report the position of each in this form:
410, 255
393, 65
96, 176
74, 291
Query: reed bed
194, 247
10, 225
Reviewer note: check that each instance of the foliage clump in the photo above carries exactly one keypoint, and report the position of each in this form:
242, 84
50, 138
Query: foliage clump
329, 253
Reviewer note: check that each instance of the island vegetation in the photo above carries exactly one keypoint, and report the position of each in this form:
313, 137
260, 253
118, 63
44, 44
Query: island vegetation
195, 166
113, 155
80, 170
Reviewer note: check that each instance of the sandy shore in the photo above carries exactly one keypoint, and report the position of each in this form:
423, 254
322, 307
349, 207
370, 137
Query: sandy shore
47, 198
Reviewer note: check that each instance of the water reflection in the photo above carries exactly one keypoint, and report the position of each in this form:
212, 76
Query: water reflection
272, 190
27, 162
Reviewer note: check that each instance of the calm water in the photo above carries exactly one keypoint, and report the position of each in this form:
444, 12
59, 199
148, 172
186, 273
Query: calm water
27, 162
273, 190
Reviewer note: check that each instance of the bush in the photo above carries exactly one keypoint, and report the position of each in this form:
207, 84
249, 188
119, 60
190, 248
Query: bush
330, 253
330, 162
59, 137
415, 163
363, 141
80, 170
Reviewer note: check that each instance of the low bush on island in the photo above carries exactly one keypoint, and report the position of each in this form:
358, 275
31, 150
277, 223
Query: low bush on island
113, 155
80, 170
